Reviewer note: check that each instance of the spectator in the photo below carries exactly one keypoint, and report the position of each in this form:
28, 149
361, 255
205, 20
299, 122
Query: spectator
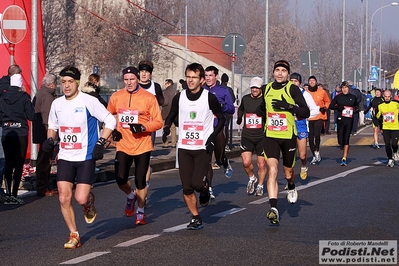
229, 117
169, 93
92, 88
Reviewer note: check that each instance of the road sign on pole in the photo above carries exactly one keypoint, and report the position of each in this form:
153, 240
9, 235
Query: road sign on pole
13, 24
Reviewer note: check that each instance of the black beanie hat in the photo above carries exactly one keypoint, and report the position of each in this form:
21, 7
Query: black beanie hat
312, 77
131, 69
145, 67
282, 63
70, 71
296, 76
225, 78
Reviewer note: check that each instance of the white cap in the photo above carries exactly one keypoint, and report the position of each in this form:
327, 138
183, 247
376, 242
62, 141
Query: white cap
16, 80
256, 82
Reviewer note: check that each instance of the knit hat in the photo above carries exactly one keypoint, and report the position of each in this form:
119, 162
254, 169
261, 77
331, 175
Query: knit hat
132, 70
256, 82
16, 80
145, 67
225, 78
296, 76
70, 71
282, 63
312, 77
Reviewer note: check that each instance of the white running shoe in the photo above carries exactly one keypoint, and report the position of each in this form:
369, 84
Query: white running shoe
391, 163
376, 146
259, 191
395, 156
251, 185
314, 160
211, 193
292, 196
317, 155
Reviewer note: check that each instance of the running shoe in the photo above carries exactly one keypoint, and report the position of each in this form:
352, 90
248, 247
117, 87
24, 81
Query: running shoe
251, 185
292, 196
211, 193
273, 215
205, 198
395, 156
391, 163
259, 191
140, 218
195, 224
228, 172
343, 162
227, 148
11, 200
215, 166
304, 173
89, 209
129, 208
314, 160
317, 155
74, 241
376, 146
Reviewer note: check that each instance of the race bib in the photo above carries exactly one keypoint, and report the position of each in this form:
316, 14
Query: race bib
347, 112
253, 121
389, 117
277, 122
71, 138
127, 116
193, 134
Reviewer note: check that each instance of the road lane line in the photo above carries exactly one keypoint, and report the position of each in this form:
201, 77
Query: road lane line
175, 228
85, 257
317, 182
136, 241
228, 212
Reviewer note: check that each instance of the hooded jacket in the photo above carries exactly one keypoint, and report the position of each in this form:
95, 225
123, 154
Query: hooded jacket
4, 85
17, 109
94, 91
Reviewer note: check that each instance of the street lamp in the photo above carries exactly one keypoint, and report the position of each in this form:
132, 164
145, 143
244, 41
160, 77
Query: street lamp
371, 26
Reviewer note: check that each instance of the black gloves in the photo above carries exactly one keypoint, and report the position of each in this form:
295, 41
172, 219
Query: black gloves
116, 135
210, 143
239, 120
98, 151
166, 132
137, 128
48, 145
323, 110
282, 105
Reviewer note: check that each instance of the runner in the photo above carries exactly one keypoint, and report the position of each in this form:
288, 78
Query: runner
374, 110
252, 136
138, 115
74, 117
195, 108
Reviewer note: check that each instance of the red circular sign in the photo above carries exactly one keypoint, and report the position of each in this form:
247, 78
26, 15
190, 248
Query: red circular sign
13, 24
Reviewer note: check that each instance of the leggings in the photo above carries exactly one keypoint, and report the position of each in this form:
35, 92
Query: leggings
315, 127
15, 148
124, 161
391, 141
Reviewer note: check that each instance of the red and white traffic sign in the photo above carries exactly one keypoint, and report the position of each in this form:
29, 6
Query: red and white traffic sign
14, 24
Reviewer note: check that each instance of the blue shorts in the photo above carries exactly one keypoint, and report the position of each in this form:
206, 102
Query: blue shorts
303, 135
81, 172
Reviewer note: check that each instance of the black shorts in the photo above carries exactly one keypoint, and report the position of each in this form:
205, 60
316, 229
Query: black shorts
253, 146
273, 146
193, 169
79, 172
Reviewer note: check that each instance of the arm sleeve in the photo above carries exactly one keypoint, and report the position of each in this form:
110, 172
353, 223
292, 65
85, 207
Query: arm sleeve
314, 109
261, 110
240, 110
333, 104
302, 109
159, 94
174, 111
217, 111
228, 106
29, 110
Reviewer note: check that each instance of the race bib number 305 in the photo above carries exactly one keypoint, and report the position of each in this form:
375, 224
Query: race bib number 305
127, 116
71, 138
277, 122
193, 134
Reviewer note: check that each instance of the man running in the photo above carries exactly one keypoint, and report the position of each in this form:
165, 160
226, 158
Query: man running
138, 115
282, 101
74, 117
374, 110
195, 108
252, 136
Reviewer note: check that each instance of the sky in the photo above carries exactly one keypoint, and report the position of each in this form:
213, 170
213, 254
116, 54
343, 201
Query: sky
390, 15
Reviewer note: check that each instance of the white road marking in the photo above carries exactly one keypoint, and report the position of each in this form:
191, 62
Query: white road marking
314, 183
175, 228
85, 257
136, 241
228, 212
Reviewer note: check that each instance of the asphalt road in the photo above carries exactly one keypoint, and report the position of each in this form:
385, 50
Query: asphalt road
357, 202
